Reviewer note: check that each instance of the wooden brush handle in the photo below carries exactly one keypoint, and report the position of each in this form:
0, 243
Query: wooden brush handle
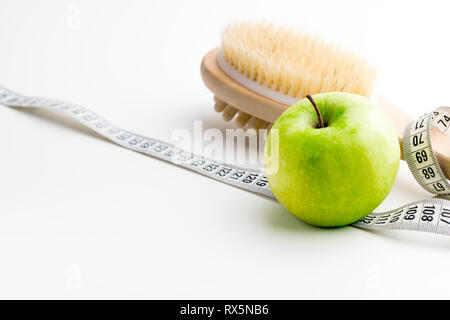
266, 109
400, 119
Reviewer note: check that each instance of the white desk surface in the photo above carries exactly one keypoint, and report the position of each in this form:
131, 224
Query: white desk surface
82, 218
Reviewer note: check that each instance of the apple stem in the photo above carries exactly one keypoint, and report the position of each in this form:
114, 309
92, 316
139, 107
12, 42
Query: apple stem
319, 115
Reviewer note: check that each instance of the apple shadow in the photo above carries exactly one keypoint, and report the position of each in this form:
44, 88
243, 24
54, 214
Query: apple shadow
279, 218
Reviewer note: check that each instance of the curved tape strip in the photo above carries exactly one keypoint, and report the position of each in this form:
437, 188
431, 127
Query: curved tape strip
430, 215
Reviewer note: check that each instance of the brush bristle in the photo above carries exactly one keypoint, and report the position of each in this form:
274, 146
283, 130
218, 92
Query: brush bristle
293, 62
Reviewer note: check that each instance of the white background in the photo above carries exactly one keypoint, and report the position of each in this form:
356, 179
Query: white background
83, 218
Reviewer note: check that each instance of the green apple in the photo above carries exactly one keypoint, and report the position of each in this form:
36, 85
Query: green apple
333, 175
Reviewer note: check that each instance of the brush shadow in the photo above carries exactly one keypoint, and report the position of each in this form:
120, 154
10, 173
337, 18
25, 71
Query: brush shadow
210, 120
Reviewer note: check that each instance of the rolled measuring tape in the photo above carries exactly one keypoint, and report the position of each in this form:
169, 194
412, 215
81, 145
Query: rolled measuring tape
429, 215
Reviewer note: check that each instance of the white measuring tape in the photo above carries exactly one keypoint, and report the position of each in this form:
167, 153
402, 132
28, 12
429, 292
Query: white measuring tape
430, 215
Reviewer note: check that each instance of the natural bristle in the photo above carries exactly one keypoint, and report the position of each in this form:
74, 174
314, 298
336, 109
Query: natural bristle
293, 62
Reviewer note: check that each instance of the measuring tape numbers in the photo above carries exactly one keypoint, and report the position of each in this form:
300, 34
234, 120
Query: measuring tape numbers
251, 180
430, 215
